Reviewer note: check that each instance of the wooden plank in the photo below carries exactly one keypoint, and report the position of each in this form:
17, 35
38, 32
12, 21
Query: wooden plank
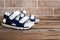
32, 34
48, 24
48, 17
42, 17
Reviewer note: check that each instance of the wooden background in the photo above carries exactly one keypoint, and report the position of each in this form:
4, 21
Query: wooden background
48, 11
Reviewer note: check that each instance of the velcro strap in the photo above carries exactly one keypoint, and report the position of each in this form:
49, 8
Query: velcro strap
14, 15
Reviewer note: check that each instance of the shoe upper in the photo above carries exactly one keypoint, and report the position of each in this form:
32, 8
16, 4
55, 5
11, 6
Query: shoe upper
19, 19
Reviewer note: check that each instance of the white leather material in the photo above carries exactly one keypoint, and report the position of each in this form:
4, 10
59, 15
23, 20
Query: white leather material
32, 17
29, 24
17, 18
4, 20
14, 15
14, 24
24, 19
7, 13
24, 11
37, 20
22, 15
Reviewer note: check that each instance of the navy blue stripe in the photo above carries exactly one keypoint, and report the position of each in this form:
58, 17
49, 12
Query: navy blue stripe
9, 22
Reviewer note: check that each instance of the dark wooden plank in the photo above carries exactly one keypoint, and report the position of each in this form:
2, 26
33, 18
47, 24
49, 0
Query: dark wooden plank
32, 34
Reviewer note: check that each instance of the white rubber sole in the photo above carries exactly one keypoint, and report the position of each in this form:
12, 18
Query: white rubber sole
5, 25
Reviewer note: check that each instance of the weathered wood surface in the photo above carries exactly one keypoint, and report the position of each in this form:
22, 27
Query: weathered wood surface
46, 29
48, 11
32, 34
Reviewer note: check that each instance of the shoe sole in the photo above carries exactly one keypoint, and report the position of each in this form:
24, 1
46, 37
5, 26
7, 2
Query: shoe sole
5, 25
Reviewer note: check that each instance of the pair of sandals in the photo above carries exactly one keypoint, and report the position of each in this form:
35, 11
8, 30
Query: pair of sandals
19, 20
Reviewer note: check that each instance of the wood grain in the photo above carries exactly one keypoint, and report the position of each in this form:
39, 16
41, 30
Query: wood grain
48, 11
49, 3
1, 3
20, 3
47, 29
32, 34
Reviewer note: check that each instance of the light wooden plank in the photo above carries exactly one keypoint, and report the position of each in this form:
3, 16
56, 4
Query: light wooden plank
48, 24
48, 17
